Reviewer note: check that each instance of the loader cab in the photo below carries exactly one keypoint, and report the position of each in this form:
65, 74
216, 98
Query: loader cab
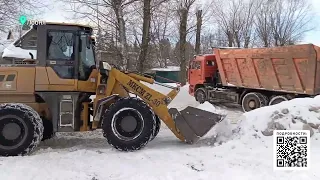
67, 48
202, 70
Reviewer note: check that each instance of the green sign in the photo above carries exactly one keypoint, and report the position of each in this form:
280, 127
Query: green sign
23, 19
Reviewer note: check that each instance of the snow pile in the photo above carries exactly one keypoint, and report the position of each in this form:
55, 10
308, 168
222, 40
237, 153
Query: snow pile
183, 98
17, 52
4, 43
223, 131
296, 114
169, 68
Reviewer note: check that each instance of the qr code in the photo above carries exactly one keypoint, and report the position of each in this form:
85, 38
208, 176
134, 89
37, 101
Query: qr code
291, 149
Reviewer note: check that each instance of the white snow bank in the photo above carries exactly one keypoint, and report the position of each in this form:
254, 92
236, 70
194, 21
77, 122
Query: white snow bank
17, 52
4, 43
183, 98
296, 114
290, 114
169, 68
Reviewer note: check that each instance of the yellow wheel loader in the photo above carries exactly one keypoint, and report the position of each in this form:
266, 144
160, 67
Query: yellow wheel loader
47, 89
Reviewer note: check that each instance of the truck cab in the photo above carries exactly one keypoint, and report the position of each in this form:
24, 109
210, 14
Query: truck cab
202, 71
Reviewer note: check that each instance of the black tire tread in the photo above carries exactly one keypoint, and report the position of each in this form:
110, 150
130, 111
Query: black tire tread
195, 94
278, 96
263, 99
35, 123
148, 133
259, 96
157, 129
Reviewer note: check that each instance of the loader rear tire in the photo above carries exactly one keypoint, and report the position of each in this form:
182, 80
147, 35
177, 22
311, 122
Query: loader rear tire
129, 124
21, 129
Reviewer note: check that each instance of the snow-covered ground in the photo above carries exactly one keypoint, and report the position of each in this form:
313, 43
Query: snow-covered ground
229, 151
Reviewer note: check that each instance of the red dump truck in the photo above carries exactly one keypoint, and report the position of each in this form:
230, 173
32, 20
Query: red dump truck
255, 77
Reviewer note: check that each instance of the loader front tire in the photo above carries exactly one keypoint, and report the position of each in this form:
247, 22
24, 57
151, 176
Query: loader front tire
129, 124
158, 125
21, 129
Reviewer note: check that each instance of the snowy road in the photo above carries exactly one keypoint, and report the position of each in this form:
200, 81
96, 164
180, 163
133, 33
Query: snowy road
87, 156
221, 154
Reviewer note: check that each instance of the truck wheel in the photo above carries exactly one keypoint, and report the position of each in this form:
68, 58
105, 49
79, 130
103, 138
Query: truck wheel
277, 99
252, 101
21, 129
129, 124
158, 125
48, 129
265, 100
200, 95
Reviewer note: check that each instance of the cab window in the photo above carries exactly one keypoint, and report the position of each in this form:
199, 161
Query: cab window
210, 63
86, 57
195, 65
60, 49
60, 45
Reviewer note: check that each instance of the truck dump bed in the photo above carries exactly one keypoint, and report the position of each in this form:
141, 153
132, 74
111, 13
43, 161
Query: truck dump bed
291, 68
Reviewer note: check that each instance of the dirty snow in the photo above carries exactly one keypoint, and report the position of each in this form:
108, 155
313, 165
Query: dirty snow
233, 149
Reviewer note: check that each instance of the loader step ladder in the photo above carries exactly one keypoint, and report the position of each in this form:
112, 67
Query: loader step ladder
67, 111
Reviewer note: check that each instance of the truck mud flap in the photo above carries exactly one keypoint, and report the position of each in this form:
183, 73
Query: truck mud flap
194, 123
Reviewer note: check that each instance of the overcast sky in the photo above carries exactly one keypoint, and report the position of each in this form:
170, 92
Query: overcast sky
56, 14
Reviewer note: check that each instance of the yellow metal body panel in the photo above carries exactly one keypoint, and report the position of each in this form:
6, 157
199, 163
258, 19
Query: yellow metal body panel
46, 79
22, 83
90, 85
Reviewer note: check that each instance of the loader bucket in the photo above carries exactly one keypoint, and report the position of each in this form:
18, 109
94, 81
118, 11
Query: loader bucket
194, 123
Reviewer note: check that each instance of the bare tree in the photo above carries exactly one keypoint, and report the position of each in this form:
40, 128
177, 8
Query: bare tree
161, 32
283, 22
97, 11
184, 7
145, 34
198, 33
11, 10
148, 5
263, 24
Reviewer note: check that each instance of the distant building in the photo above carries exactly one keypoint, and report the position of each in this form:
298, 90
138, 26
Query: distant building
165, 75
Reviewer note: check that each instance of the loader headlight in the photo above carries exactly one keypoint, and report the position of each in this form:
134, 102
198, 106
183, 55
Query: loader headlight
101, 90
106, 66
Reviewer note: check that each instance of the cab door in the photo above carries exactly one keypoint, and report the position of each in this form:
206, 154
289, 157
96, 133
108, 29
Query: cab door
60, 54
88, 74
195, 72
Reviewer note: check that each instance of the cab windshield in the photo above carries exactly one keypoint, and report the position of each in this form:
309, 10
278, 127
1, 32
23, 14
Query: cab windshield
87, 59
